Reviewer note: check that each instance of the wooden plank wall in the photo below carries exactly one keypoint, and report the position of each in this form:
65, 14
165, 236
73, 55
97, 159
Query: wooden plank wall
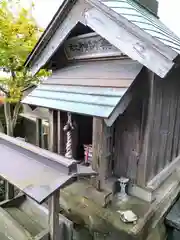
164, 138
129, 132
161, 118
127, 141
159, 114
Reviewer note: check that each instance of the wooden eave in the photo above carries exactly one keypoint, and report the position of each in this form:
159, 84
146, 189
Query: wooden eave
59, 16
124, 35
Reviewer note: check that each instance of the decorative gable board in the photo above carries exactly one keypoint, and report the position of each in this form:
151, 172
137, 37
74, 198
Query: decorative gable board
125, 24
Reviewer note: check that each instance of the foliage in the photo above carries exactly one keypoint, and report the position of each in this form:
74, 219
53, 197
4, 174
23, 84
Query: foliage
18, 35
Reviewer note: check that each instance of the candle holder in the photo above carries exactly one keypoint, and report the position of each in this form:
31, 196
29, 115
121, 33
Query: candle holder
123, 184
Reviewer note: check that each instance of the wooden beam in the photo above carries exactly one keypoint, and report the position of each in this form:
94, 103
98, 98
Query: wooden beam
54, 229
144, 161
164, 174
131, 45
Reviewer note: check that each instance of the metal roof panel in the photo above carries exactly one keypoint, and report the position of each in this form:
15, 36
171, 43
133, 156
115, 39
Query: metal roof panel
35, 171
76, 107
145, 20
99, 101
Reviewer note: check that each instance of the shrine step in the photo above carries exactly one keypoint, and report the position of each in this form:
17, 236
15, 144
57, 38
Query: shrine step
25, 221
172, 222
26, 216
10, 228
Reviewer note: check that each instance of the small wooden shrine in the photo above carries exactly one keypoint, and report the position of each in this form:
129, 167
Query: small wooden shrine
40, 175
113, 100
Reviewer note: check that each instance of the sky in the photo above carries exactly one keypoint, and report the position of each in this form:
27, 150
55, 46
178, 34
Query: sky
168, 12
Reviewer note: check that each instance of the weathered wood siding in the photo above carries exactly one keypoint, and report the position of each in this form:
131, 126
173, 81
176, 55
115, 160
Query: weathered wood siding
102, 152
147, 136
129, 132
164, 137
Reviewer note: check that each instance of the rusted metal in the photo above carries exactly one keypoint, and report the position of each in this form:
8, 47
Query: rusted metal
36, 172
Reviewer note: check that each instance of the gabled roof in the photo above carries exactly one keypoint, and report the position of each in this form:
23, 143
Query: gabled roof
90, 88
145, 20
124, 23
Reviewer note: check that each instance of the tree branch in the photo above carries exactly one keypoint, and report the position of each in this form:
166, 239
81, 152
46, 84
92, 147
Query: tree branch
1, 127
28, 87
8, 117
13, 74
15, 114
3, 90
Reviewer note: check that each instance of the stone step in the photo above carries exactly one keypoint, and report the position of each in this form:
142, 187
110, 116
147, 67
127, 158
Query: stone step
11, 229
25, 221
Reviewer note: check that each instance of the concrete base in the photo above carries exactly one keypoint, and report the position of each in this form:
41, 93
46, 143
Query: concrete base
80, 202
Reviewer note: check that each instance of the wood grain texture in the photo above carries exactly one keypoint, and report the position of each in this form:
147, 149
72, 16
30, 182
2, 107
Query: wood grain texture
102, 151
164, 127
127, 143
130, 132
128, 43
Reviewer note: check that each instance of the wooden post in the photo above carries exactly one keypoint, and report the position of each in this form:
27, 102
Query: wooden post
75, 136
60, 133
54, 229
144, 158
53, 202
39, 133
53, 131
9, 191
102, 152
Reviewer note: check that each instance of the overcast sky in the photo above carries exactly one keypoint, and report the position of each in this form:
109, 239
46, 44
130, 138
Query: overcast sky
168, 11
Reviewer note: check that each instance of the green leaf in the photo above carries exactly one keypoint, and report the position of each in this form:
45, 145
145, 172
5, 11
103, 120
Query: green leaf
18, 35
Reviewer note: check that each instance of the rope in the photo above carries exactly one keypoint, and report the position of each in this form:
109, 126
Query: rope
69, 145
68, 128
